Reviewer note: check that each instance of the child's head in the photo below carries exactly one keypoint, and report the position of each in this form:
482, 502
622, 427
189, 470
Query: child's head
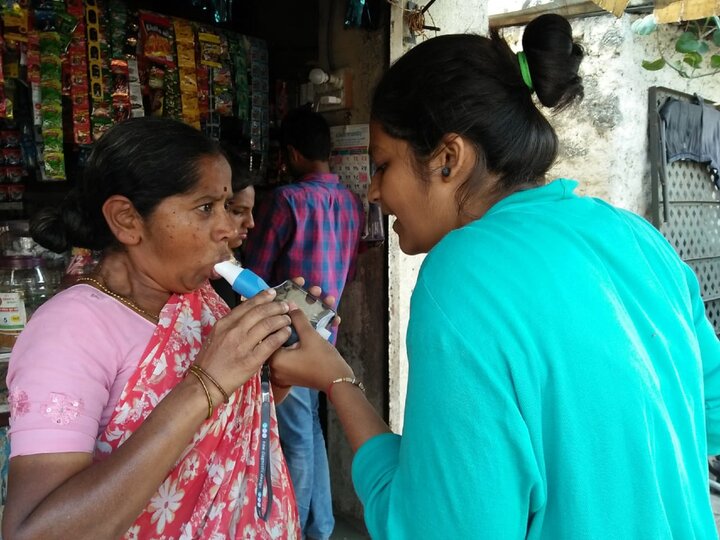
305, 140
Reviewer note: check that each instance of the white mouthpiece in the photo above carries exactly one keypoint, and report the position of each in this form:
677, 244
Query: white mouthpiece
324, 332
230, 270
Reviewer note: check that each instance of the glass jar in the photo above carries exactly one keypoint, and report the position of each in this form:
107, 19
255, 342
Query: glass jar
23, 288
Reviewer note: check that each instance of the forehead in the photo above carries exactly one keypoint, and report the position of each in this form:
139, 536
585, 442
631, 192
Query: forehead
383, 144
214, 176
244, 197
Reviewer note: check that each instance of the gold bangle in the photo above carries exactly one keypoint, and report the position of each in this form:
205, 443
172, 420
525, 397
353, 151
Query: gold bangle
200, 371
351, 380
207, 394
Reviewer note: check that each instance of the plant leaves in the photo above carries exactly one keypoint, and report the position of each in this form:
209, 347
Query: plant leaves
704, 47
644, 26
654, 65
693, 59
716, 37
687, 43
715, 61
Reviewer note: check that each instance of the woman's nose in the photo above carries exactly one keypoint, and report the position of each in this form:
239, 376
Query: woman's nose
226, 228
374, 189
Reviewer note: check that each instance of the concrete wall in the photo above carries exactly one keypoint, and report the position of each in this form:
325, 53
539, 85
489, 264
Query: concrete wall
451, 16
363, 333
603, 139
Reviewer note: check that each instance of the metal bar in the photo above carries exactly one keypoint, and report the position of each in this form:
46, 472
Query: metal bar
716, 203
568, 9
699, 259
654, 136
427, 6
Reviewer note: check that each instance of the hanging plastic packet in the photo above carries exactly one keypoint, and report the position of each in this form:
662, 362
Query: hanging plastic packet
354, 13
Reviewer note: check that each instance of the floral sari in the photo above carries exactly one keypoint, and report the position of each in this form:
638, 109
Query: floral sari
211, 492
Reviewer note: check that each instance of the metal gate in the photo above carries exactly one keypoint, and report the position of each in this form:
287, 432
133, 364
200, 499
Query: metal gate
686, 206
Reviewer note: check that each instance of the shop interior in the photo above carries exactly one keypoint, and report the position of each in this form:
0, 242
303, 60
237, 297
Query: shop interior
73, 68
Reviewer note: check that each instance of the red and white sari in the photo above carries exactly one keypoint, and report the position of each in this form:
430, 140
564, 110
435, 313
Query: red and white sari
210, 494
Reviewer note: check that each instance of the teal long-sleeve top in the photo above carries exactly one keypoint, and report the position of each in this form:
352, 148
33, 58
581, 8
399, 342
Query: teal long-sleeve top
564, 383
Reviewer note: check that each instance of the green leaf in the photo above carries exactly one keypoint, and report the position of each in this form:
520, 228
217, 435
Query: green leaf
715, 61
716, 37
654, 65
693, 59
704, 47
644, 26
687, 43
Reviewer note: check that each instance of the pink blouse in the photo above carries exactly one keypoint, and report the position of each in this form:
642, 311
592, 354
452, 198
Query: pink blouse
68, 368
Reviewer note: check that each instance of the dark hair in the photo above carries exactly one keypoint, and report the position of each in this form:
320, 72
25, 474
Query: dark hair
307, 132
472, 85
240, 165
144, 159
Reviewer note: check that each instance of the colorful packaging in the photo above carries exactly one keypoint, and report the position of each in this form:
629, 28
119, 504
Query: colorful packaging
158, 39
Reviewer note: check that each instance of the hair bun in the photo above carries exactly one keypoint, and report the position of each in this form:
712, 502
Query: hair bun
59, 228
553, 58
48, 229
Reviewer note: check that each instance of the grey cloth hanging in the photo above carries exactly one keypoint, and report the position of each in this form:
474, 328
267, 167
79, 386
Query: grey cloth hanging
692, 131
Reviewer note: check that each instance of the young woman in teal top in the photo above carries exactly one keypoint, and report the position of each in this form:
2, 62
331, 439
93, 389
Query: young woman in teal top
564, 381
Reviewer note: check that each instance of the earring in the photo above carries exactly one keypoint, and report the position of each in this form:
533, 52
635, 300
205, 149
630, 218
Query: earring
445, 171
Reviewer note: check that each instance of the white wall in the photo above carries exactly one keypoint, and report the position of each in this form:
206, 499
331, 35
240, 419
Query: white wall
451, 16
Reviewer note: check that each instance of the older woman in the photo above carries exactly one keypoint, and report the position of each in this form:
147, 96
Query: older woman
137, 400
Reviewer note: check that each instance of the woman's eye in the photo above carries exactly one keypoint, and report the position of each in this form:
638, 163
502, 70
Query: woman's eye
207, 208
377, 168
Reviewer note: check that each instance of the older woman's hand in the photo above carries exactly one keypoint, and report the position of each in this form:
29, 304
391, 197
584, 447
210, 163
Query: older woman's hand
244, 339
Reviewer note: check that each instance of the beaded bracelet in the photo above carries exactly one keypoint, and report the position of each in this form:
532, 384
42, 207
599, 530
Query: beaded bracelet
351, 380
207, 393
197, 370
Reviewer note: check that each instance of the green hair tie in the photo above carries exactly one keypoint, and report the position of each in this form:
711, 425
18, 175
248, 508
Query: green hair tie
525, 70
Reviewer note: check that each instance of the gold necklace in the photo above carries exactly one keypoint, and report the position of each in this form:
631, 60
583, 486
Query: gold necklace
120, 298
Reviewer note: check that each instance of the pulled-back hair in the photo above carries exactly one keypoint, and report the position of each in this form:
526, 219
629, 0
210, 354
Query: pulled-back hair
307, 132
144, 159
473, 86
240, 166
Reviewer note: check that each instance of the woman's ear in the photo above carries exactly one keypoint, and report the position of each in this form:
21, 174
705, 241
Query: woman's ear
455, 159
123, 220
